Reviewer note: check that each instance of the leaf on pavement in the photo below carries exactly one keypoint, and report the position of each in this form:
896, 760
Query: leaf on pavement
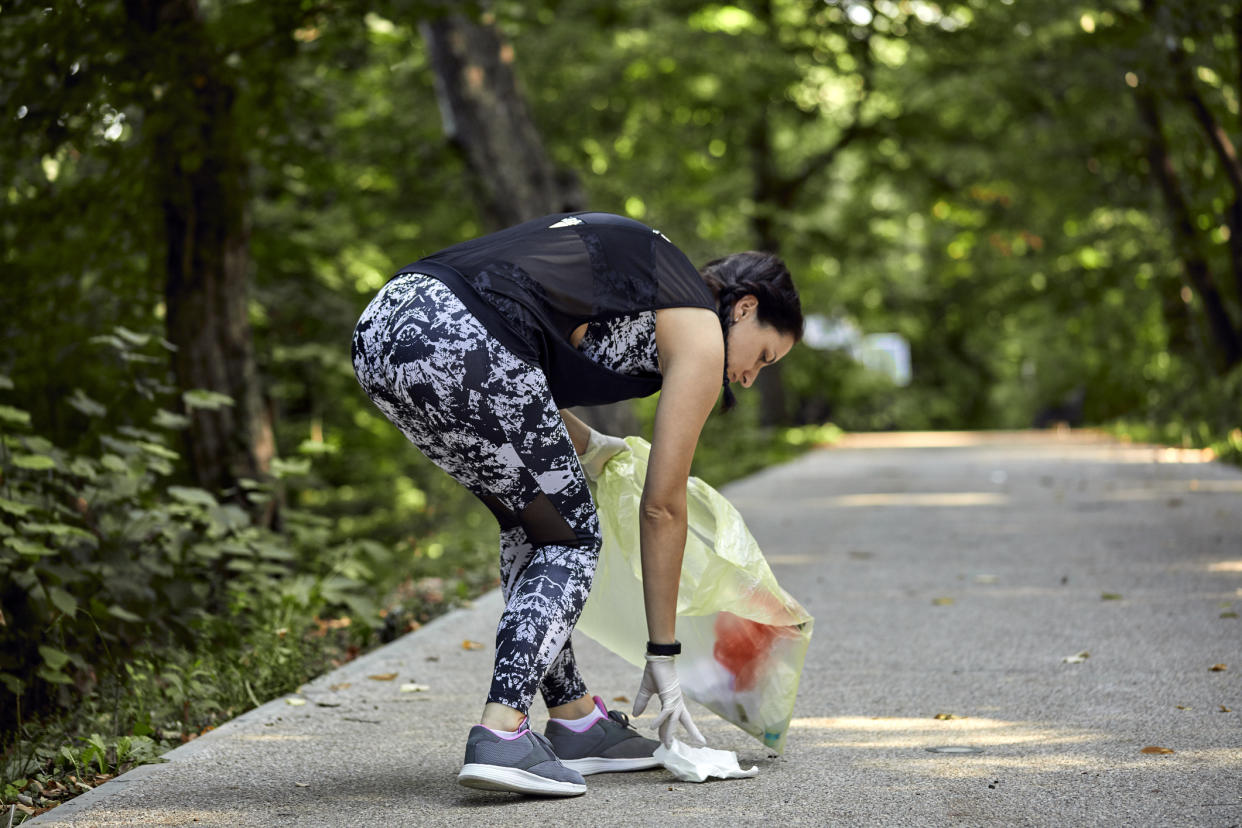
293, 701
1224, 709
342, 686
942, 602
1154, 749
471, 645
621, 698
414, 688
1110, 596
383, 677
1219, 668
944, 717
1078, 658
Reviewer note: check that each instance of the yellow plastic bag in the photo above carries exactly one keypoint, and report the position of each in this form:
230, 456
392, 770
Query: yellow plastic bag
744, 639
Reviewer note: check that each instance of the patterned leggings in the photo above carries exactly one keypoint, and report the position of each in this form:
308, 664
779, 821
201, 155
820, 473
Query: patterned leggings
488, 419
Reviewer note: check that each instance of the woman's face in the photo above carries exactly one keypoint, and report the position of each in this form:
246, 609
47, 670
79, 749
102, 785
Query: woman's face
753, 344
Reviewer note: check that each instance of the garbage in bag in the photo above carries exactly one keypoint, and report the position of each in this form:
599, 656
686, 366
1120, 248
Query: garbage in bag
743, 638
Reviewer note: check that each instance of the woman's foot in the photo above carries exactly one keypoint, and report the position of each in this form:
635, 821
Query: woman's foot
608, 744
522, 762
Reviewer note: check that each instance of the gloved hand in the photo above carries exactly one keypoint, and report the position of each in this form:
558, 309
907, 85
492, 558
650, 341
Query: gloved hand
600, 449
660, 678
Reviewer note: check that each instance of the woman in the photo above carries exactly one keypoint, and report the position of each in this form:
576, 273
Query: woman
474, 353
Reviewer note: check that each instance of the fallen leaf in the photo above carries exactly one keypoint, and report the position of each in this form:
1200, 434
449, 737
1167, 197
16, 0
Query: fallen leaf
383, 677
302, 784
621, 698
942, 602
1183, 707
1230, 614
1110, 596
342, 686
471, 645
1224, 709
1077, 659
295, 702
1218, 668
947, 716
414, 688
1154, 749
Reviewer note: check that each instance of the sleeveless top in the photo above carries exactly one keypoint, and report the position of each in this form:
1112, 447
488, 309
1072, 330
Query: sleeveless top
532, 285
625, 344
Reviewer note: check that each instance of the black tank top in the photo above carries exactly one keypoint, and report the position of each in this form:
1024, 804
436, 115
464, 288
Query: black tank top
535, 283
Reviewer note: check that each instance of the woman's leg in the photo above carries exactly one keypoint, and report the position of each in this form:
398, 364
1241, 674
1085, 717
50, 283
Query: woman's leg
489, 420
562, 684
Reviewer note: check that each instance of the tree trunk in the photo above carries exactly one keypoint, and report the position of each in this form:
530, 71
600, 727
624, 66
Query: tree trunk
774, 193
1218, 138
199, 173
1195, 266
769, 195
485, 116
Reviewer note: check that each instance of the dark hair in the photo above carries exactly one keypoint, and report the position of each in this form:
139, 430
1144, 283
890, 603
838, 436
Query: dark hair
764, 276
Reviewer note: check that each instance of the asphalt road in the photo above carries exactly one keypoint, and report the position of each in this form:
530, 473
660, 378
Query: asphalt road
950, 576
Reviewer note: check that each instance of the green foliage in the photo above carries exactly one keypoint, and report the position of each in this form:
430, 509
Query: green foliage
1192, 415
973, 176
103, 555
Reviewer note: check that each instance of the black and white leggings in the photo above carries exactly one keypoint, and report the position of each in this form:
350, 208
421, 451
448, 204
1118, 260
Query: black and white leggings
489, 420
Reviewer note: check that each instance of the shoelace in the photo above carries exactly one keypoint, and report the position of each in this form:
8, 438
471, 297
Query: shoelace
621, 718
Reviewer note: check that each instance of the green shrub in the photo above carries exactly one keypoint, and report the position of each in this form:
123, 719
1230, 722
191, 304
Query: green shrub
102, 554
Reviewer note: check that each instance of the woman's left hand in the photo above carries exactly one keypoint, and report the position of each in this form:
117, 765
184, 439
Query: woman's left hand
600, 449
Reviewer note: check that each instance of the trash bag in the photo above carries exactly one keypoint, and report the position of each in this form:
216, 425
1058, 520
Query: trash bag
743, 638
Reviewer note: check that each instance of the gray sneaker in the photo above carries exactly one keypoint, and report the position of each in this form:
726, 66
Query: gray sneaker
524, 764
611, 744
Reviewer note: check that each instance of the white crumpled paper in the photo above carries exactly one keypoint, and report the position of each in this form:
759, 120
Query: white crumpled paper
691, 764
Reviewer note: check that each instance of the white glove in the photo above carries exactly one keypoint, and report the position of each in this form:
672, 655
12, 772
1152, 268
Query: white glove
600, 449
660, 678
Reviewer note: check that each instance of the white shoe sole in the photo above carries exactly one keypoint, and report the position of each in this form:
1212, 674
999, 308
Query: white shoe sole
591, 765
515, 780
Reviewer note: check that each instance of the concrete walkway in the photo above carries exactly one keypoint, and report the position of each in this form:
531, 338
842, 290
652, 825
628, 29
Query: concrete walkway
950, 577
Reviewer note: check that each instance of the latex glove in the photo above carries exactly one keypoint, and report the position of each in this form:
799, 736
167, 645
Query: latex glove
660, 678
600, 449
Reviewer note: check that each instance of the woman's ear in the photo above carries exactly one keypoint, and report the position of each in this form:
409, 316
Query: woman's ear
746, 305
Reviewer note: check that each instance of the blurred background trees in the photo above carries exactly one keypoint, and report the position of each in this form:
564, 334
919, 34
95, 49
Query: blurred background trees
200, 196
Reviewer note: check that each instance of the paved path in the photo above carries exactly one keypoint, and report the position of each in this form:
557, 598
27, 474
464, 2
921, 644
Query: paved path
950, 575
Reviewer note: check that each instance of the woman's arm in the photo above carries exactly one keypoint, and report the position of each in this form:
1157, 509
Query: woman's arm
692, 362
579, 432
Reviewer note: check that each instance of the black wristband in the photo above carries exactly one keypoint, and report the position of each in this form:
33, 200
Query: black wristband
664, 649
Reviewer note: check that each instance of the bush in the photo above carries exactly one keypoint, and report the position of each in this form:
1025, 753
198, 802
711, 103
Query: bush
1192, 411
102, 555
